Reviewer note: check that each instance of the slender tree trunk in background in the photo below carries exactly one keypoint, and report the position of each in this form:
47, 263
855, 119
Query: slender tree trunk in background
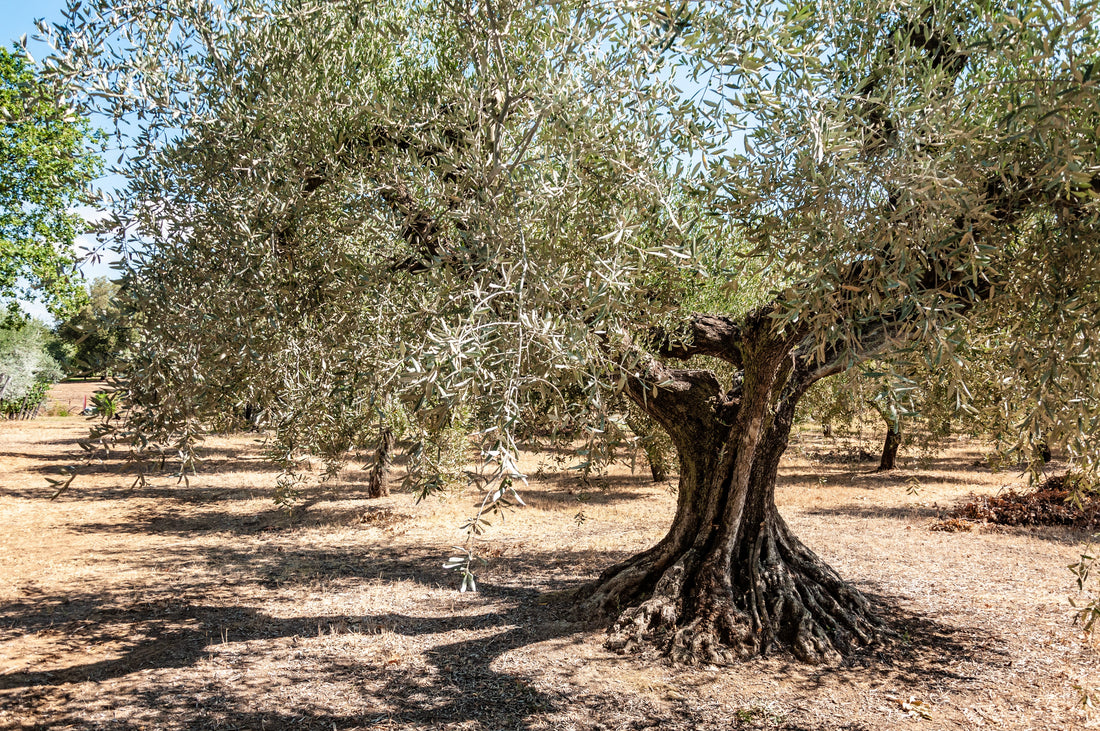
251, 414
889, 459
654, 447
887, 407
657, 466
378, 484
730, 581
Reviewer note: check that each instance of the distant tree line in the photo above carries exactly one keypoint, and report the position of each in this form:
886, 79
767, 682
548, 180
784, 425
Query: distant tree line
34, 356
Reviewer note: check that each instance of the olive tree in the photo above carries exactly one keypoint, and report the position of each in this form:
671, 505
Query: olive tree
471, 207
27, 368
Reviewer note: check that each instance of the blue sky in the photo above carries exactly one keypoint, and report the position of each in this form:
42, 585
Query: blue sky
16, 18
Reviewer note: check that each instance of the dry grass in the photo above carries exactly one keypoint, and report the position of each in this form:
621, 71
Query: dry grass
69, 398
202, 606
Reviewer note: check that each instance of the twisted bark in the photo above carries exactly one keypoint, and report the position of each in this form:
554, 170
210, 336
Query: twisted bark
730, 581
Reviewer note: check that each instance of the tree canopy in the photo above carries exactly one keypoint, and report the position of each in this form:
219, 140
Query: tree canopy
97, 332
27, 368
484, 205
46, 164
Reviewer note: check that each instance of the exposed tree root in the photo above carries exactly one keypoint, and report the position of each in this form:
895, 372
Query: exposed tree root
785, 599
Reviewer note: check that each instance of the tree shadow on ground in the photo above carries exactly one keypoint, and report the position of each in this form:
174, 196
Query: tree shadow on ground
462, 684
272, 519
265, 571
210, 509
459, 682
167, 631
576, 499
963, 461
1061, 534
100, 463
892, 512
168, 490
863, 480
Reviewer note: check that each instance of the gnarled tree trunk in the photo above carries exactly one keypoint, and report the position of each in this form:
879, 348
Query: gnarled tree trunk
730, 580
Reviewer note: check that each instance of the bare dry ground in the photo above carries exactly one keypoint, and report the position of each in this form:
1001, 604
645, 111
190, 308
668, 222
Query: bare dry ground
203, 606
70, 397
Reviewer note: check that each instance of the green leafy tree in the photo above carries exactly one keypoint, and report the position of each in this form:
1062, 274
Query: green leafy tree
473, 207
910, 407
97, 333
46, 165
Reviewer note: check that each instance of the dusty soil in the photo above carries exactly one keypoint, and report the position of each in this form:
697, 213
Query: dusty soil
202, 606
70, 397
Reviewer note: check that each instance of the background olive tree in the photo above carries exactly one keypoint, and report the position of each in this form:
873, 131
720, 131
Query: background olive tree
27, 366
469, 207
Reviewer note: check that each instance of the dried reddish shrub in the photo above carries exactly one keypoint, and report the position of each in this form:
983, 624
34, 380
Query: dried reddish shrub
1052, 503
